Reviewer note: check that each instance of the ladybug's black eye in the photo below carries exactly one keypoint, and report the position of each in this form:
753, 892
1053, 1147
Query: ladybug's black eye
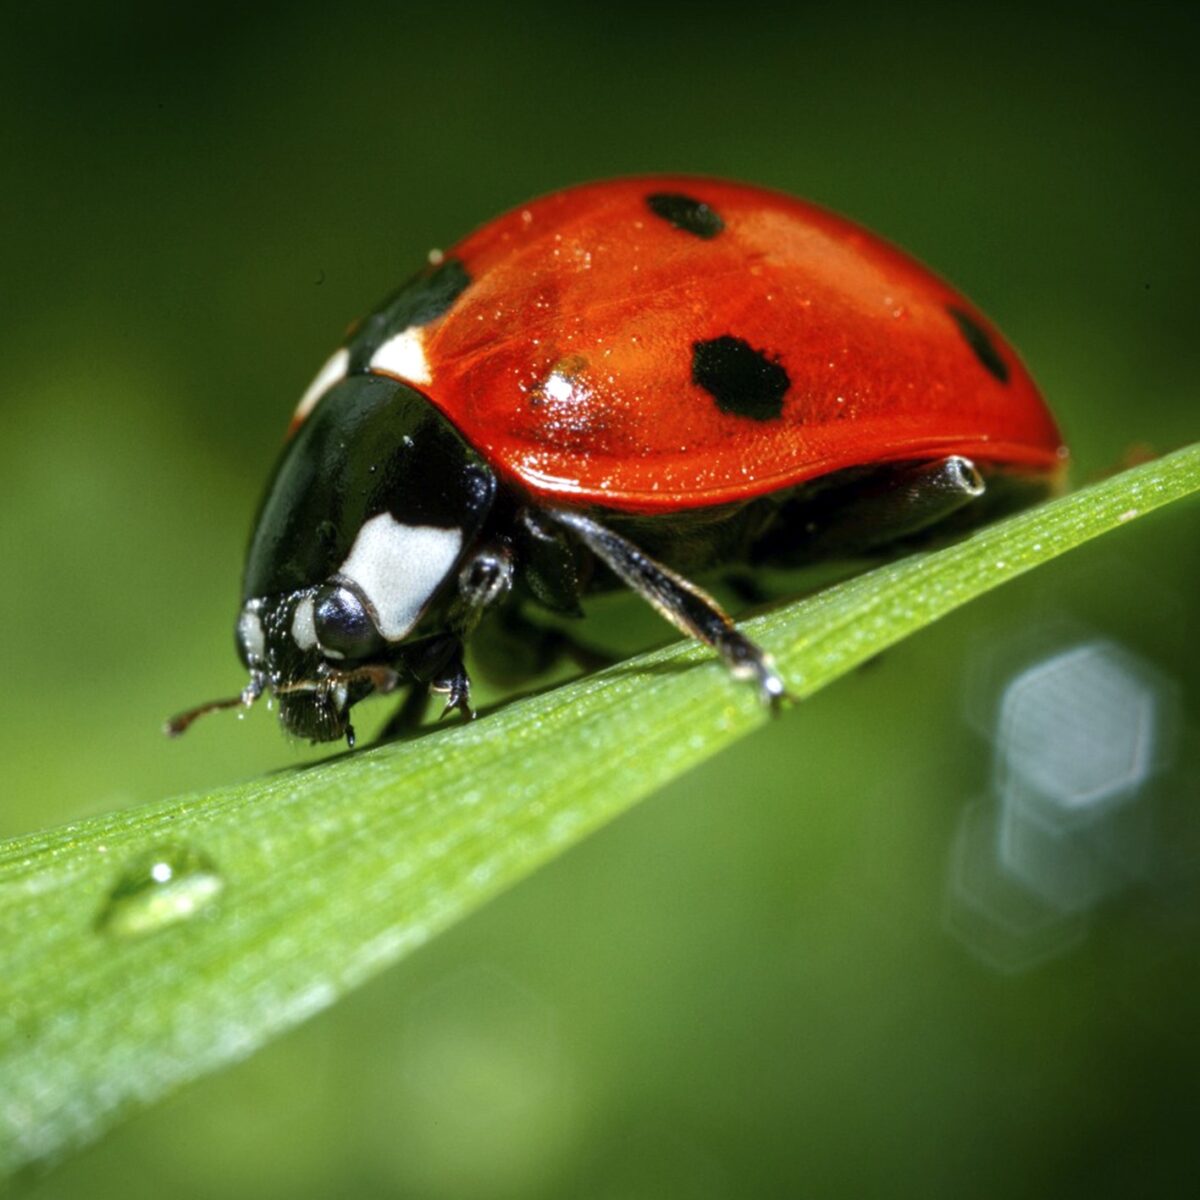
344, 629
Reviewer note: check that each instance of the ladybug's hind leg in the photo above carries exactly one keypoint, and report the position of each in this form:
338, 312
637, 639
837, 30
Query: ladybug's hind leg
905, 501
894, 503
686, 606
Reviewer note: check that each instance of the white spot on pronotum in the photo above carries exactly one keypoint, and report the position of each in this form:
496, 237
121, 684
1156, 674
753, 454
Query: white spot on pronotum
250, 635
398, 567
436, 258
404, 356
334, 371
304, 627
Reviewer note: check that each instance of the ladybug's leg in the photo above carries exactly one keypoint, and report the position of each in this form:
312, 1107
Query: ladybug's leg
455, 684
904, 501
549, 570
484, 579
435, 663
688, 608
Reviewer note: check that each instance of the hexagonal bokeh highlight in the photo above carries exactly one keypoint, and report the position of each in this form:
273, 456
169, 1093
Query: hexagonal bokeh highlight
1079, 736
1080, 731
999, 920
1083, 729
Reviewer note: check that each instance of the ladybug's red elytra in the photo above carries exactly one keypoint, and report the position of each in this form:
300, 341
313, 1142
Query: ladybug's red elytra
627, 382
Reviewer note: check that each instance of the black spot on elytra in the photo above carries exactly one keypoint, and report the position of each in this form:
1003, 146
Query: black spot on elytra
429, 294
686, 213
742, 380
977, 338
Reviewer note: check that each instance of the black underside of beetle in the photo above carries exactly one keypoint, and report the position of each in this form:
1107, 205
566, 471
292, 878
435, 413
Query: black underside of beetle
862, 512
866, 513
373, 445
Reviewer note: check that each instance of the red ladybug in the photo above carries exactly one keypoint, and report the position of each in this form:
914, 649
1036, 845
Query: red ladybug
631, 381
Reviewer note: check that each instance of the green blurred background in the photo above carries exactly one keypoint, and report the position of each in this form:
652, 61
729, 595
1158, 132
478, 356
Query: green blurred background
799, 971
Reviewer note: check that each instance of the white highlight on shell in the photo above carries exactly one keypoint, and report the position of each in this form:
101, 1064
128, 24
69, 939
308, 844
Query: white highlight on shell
559, 387
250, 633
398, 567
404, 356
304, 627
334, 371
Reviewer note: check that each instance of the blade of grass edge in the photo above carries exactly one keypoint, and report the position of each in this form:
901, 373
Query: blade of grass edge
332, 873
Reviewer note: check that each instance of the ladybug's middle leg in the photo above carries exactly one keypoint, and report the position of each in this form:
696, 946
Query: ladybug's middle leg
686, 606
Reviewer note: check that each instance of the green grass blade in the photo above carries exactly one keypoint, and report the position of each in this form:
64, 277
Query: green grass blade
307, 883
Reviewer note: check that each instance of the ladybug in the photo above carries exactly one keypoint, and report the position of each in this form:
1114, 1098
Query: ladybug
628, 382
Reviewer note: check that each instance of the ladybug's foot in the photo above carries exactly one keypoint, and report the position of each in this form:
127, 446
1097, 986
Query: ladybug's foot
686, 606
747, 660
457, 690
455, 684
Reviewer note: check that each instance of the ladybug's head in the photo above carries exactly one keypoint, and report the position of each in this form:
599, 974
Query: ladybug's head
314, 684
371, 509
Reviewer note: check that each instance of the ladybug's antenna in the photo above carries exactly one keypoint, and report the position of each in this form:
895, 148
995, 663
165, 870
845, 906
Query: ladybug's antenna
244, 699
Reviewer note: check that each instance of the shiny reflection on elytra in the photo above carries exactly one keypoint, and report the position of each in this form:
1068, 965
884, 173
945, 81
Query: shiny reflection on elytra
1079, 735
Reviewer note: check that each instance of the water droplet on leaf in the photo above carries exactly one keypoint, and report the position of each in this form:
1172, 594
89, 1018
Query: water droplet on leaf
165, 885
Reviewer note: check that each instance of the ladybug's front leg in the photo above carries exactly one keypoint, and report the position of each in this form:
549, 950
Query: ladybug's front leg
686, 606
449, 679
454, 683
484, 578
435, 664
437, 661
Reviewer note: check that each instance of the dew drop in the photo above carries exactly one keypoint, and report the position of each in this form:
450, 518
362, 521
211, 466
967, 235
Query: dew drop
165, 885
